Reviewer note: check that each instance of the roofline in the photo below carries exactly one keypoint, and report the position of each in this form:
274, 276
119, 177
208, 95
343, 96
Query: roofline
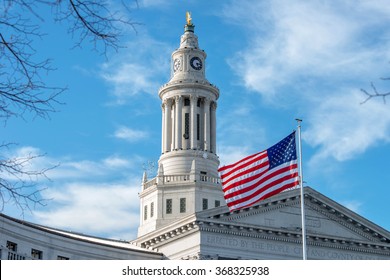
66, 234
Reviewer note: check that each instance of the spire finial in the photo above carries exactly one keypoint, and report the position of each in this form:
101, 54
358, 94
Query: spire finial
189, 18
189, 27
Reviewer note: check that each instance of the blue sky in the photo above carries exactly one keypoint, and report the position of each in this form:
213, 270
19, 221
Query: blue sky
273, 61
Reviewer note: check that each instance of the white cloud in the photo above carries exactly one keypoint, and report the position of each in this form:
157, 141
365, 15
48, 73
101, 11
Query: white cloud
66, 168
140, 69
129, 134
342, 128
116, 162
232, 154
89, 196
30, 164
353, 205
319, 53
154, 3
293, 42
109, 209
69, 169
129, 79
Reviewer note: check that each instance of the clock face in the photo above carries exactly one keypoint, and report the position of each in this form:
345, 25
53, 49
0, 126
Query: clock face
196, 63
176, 64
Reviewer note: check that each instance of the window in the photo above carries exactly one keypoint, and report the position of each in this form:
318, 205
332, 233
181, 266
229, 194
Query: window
62, 258
151, 209
182, 205
217, 203
203, 176
186, 125
169, 206
198, 102
186, 102
36, 254
205, 203
11, 246
226, 258
145, 212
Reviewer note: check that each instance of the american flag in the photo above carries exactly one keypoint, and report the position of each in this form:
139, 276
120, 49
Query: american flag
261, 175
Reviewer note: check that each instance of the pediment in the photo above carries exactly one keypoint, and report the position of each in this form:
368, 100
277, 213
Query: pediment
324, 218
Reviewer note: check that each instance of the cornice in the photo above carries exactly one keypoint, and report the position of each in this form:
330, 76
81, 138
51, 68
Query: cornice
263, 233
330, 209
153, 242
189, 50
262, 208
340, 218
280, 235
349, 219
189, 84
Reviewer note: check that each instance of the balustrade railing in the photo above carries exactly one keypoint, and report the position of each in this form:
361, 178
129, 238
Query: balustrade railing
176, 178
15, 256
180, 178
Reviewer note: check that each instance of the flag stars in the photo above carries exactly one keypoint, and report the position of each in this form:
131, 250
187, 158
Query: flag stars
282, 152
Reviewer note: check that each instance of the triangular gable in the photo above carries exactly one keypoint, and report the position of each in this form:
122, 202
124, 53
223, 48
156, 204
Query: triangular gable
324, 218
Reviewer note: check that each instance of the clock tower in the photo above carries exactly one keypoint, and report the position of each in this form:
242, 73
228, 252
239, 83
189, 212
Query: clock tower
187, 180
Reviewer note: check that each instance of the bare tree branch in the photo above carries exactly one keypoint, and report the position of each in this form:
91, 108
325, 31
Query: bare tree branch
19, 183
95, 21
23, 87
376, 93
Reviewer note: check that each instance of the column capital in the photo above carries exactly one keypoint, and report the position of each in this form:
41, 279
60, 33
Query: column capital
178, 98
167, 101
214, 105
194, 96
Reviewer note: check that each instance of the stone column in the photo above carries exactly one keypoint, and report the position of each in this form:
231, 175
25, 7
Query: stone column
168, 125
213, 129
207, 124
173, 125
178, 117
194, 99
163, 129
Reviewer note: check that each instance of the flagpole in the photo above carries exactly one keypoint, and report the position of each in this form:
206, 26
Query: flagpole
304, 250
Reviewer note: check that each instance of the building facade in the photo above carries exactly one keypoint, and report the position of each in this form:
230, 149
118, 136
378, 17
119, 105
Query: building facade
182, 210
272, 230
21, 240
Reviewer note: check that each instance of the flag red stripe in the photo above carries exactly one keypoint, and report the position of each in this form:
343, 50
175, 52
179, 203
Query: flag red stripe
247, 175
232, 205
259, 193
223, 168
263, 177
242, 164
264, 182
